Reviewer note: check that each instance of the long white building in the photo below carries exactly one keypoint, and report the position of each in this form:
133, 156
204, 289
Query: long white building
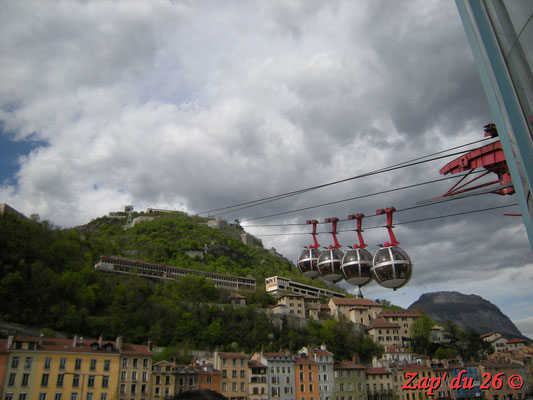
156, 271
276, 285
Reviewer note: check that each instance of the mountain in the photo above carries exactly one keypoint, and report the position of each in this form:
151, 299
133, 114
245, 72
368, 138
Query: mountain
471, 312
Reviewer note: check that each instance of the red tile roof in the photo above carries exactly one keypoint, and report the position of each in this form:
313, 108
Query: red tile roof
321, 352
400, 313
232, 355
348, 365
377, 371
381, 323
516, 341
354, 301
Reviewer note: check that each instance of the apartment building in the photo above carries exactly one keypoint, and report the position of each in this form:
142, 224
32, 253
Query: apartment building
234, 374
350, 381
258, 383
324, 360
403, 318
384, 332
277, 285
61, 369
280, 370
208, 377
162, 380
306, 378
379, 384
294, 303
135, 369
355, 309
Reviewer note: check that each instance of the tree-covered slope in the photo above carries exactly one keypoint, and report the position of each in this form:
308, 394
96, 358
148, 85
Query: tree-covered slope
48, 280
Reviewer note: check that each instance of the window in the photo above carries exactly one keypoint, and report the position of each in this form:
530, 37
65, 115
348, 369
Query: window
74, 396
124, 375
77, 364
124, 362
234, 373
12, 378
105, 381
42, 396
157, 379
89, 396
242, 373
60, 379
15, 363
224, 387
143, 388
107, 364
145, 376
62, 363
145, 363
27, 365
167, 380
133, 388
134, 376
103, 396
58, 396
92, 366
47, 362
75, 381
90, 381
135, 362
123, 389
9, 396
44, 380
242, 386
22, 396
234, 386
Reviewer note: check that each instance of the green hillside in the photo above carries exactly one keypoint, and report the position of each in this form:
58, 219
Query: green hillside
48, 280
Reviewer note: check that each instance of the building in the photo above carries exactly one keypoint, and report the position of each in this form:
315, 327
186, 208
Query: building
258, 383
234, 374
125, 267
306, 383
50, 368
295, 304
3, 361
350, 381
379, 384
162, 380
499, 33
355, 309
508, 370
280, 370
186, 378
404, 318
277, 285
384, 332
135, 369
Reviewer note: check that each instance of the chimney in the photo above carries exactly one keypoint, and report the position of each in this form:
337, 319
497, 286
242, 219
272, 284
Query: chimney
118, 344
10, 340
150, 346
100, 339
41, 336
74, 341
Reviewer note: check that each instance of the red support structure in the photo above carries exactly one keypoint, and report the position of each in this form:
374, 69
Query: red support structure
334, 221
359, 230
389, 226
315, 223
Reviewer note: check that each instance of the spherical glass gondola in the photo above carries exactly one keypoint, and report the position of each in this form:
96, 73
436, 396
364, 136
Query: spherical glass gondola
329, 263
356, 267
392, 268
307, 262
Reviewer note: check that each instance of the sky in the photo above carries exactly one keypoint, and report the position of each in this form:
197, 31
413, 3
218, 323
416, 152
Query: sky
198, 105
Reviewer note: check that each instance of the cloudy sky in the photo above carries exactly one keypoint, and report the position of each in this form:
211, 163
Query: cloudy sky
197, 105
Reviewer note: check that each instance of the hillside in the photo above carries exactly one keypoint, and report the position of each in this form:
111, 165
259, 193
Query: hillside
471, 312
48, 281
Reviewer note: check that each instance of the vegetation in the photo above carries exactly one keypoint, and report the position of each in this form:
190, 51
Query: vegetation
469, 345
47, 280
